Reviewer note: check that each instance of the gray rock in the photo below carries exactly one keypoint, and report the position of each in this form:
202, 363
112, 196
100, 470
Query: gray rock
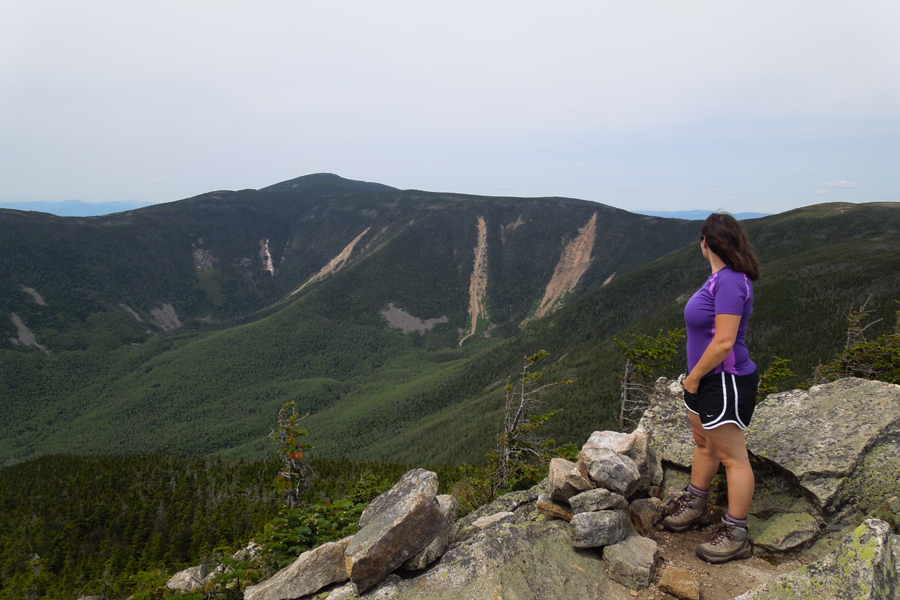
422, 481
190, 579
551, 508
620, 443
505, 503
862, 568
645, 513
398, 525
312, 571
479, 525
783, 532
633, 561
667, 423
522, 560
247, 553
647, 459
601, 528
565, 480
615, 472
821, 435
680, 583
597, 499
438, 545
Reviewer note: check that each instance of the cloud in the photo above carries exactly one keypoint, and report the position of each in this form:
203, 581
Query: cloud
843, 184
157, 181
823, 192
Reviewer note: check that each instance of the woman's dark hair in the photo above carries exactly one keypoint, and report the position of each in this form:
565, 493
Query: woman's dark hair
729, 240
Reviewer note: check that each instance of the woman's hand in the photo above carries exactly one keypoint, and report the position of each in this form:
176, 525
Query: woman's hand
691, 385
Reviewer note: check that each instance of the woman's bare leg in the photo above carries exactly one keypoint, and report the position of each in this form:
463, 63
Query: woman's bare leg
730, 447
706, 460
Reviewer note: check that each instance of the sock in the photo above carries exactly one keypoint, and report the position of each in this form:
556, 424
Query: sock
694, 490
735, 521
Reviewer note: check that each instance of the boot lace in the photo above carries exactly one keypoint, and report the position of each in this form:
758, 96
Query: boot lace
720, 534
680, 504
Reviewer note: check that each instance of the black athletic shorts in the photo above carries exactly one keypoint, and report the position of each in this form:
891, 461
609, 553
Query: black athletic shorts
724, 398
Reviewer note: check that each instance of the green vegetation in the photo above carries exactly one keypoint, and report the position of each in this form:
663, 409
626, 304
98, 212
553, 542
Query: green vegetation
777, 371
73, 525
879, 359
645, 357
523, 452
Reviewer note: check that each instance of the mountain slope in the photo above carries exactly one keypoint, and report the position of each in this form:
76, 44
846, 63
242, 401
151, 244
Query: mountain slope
155, 323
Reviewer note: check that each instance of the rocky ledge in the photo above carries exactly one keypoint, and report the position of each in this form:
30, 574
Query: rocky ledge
828, 491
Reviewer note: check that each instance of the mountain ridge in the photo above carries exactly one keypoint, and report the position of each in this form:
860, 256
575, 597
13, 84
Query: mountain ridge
225, 264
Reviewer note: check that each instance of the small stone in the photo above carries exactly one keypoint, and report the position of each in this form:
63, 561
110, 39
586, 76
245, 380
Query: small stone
565, 480
679, 582
633, 561
619, 443
597, 499
188, 580
550, 507
615, 472
645, 513
601, 528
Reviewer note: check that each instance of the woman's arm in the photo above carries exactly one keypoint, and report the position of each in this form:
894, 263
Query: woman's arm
718, 349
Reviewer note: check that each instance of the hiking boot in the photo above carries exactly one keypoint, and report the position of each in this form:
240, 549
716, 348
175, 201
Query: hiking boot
727, 542
685, 512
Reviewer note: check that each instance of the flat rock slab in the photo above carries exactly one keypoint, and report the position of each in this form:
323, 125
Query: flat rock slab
311, 572
399, 524
515, 560
551, 508
863, 568
784, 532
820, 435
597, 499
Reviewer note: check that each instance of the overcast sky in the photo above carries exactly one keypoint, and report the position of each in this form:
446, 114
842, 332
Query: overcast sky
747, 106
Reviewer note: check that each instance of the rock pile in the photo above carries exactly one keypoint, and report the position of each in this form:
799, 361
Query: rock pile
593, 493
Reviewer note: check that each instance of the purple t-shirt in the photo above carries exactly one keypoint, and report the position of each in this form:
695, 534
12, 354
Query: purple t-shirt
725, 292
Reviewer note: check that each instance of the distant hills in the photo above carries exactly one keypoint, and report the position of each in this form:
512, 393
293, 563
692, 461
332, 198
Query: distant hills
76, 208
392, 316
697, 215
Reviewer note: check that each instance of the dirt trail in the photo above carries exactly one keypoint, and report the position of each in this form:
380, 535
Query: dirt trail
335, 264
717, 582
575, 260
478, 283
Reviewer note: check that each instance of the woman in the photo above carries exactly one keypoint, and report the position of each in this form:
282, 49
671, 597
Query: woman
720, 389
